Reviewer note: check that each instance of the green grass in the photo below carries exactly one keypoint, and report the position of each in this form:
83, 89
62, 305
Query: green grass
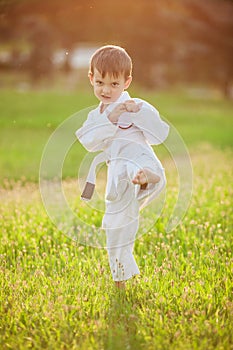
26, 123
58, 294
27, 120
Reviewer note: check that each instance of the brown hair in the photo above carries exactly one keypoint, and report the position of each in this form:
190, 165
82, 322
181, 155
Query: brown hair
112, 60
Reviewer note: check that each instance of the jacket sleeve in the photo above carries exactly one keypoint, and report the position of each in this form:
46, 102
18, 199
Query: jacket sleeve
96, 132
149, 122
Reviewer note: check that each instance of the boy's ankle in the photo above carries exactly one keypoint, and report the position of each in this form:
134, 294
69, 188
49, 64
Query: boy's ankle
120, 284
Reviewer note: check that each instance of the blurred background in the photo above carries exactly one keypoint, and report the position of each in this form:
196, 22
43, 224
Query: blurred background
171, 42
182, 52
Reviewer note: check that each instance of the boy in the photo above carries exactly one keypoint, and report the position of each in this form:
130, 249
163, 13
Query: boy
123, 128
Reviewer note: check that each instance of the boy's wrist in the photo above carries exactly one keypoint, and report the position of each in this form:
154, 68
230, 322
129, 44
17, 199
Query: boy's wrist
113, 117
116, 113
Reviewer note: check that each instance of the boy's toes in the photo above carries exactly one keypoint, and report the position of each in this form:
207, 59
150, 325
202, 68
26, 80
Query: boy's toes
135, 180
140, 178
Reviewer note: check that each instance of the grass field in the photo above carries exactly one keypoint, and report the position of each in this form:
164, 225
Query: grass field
58, 294
28, 119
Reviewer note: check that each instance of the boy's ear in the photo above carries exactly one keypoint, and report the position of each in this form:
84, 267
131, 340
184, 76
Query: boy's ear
128, 82
91, 77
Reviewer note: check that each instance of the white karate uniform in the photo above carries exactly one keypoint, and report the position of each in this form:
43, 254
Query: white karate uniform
126, 149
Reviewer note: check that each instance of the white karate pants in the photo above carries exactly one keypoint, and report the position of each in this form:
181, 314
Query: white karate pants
121, 219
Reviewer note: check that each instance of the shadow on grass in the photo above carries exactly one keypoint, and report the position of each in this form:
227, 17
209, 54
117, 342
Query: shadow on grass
122, 319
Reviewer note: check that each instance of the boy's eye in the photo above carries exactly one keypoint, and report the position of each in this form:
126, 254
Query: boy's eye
98, 82
115, 84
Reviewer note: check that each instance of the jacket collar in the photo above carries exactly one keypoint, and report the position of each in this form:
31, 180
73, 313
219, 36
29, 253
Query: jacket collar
123, 97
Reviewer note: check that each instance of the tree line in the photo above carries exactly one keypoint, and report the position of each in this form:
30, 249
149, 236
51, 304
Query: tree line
170, 41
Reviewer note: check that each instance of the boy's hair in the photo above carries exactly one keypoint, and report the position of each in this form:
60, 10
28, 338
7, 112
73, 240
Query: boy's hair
112, 60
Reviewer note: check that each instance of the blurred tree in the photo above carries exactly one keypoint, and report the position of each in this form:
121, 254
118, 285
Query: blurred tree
208, 42
170, 41
41, 37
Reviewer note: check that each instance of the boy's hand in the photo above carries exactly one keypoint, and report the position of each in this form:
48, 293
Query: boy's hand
115, 114
127, 106
132, 106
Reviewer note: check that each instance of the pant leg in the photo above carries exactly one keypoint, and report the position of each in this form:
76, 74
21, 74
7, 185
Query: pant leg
121, 221
145, 160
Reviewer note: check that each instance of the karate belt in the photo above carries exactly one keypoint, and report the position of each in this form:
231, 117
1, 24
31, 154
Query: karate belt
91, 177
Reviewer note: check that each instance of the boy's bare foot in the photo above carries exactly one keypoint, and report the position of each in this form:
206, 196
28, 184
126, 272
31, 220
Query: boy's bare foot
120, 284
145, 176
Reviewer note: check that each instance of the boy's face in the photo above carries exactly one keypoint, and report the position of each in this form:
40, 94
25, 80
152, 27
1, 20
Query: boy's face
109, 88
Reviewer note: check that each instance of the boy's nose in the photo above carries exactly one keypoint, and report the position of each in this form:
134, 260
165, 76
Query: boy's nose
106, 89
